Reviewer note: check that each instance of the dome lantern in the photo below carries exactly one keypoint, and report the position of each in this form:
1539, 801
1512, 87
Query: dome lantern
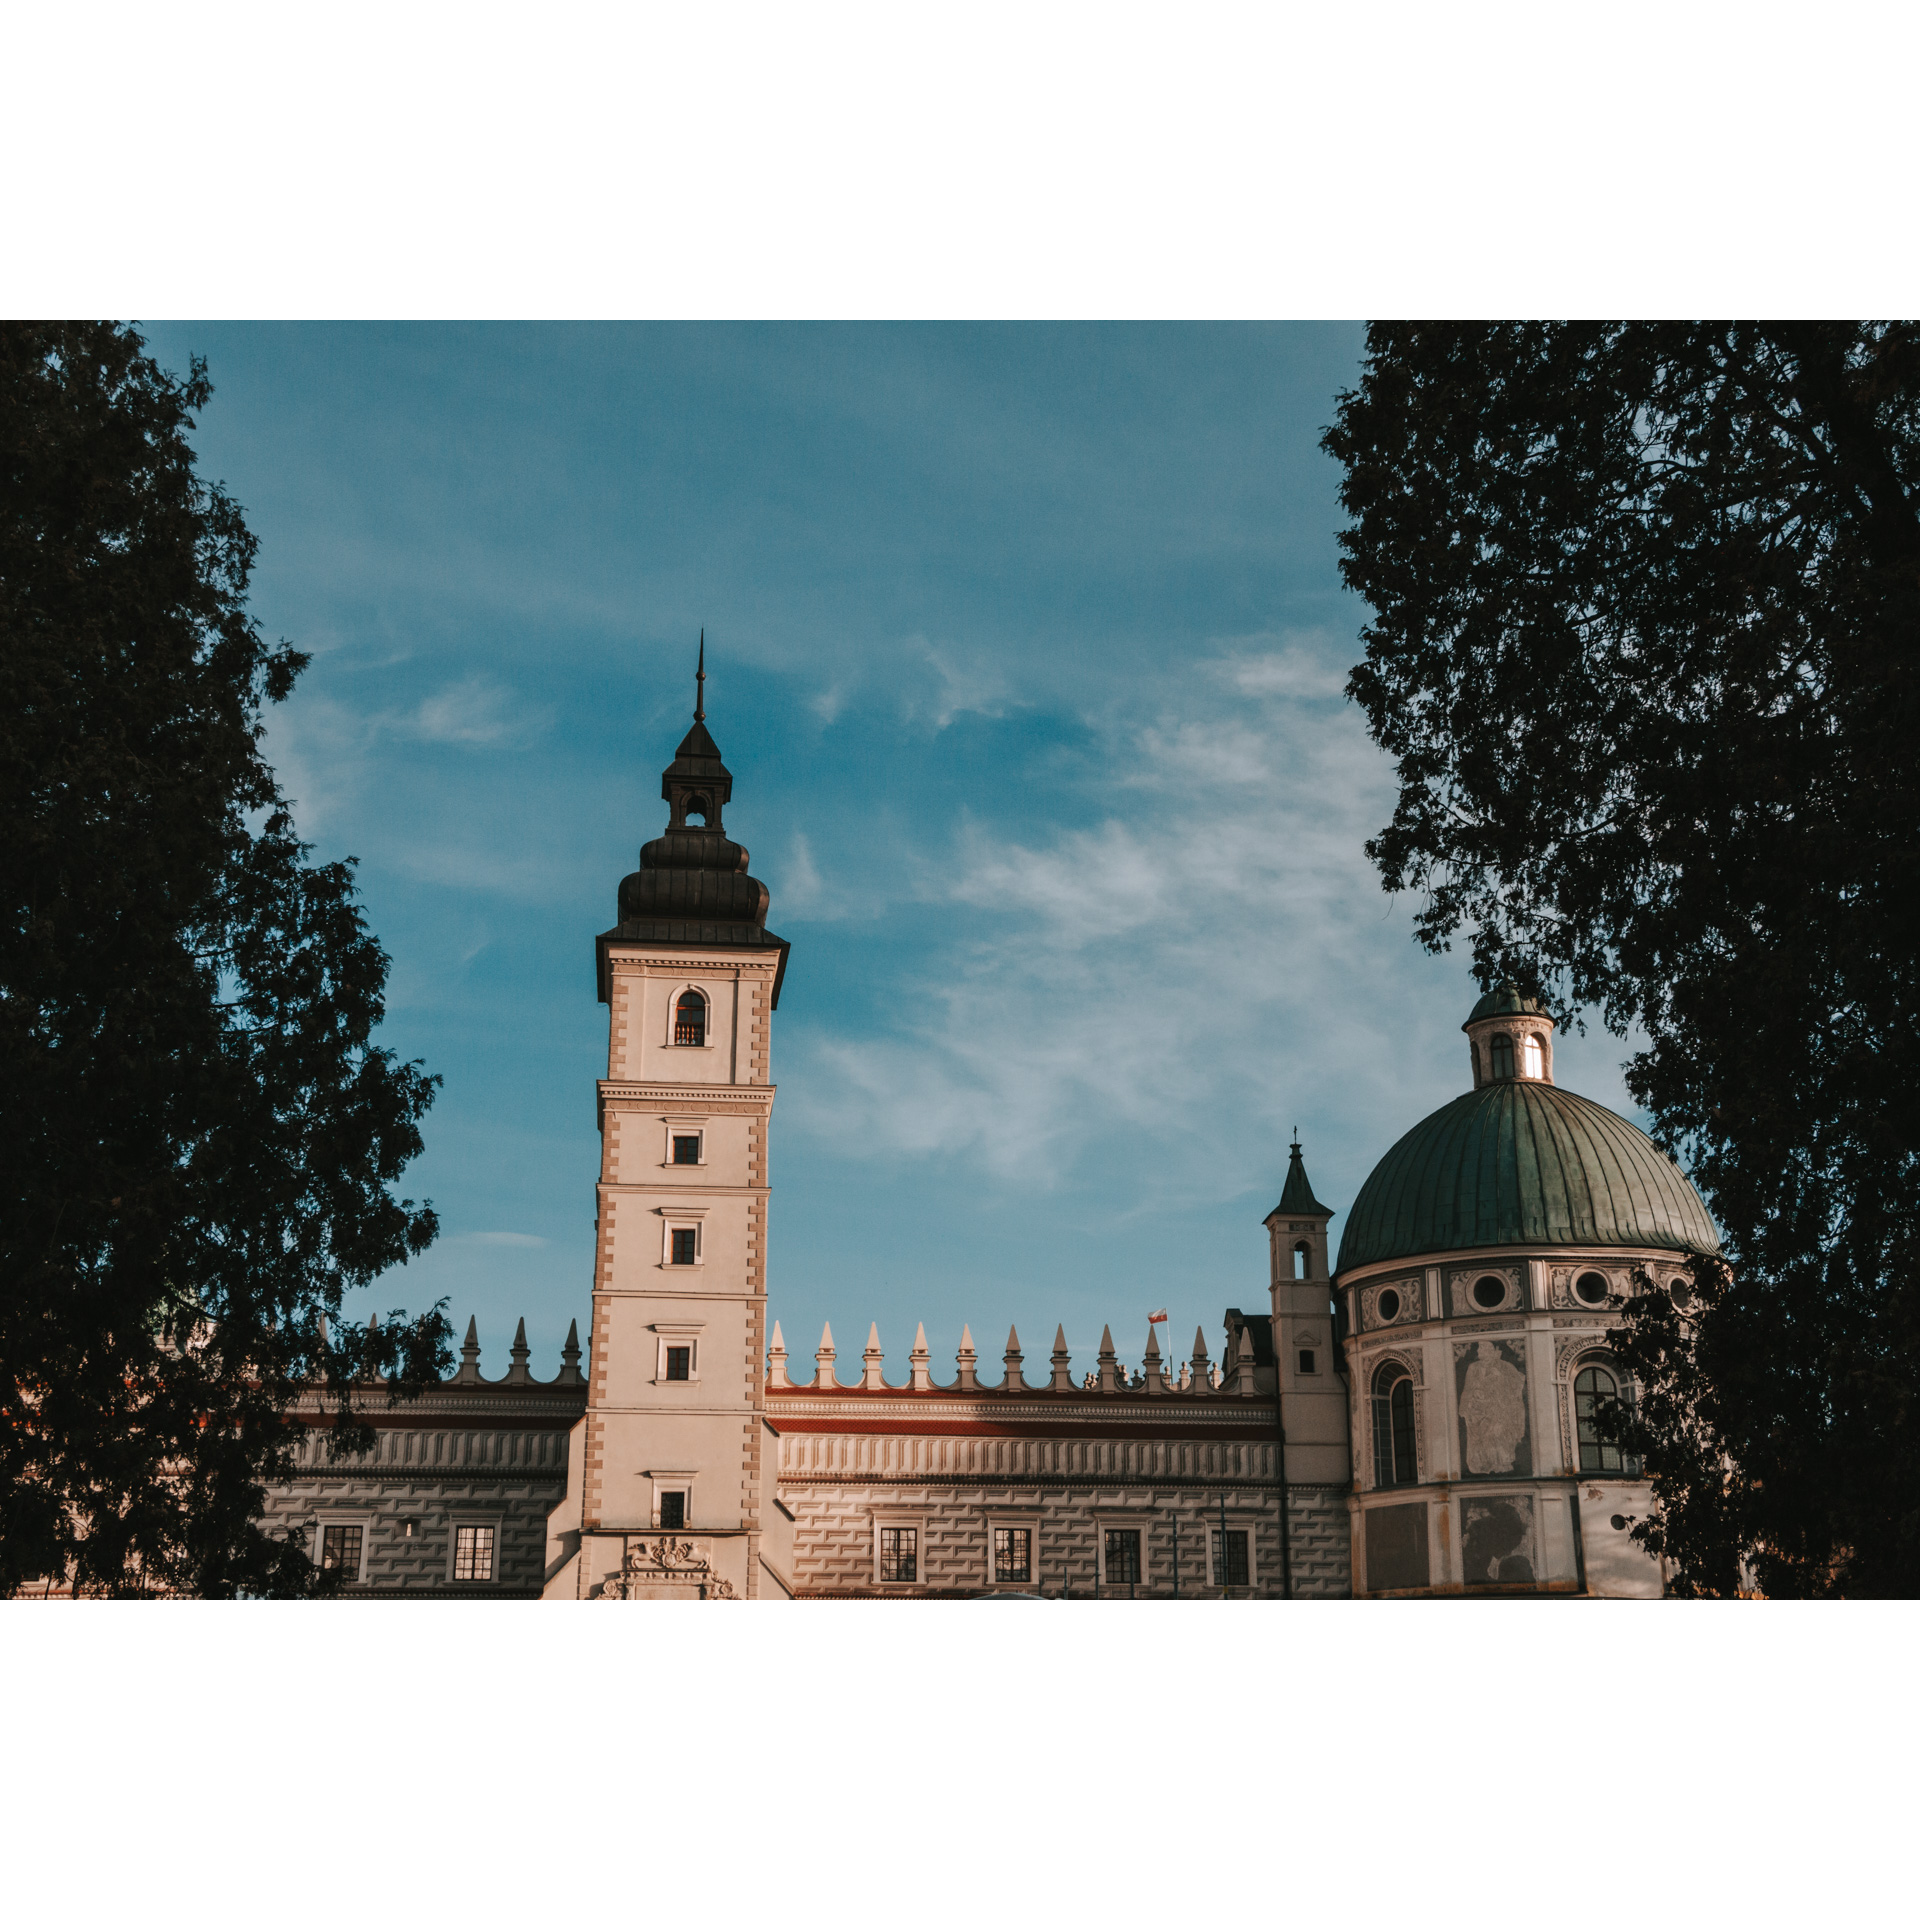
1510, 1037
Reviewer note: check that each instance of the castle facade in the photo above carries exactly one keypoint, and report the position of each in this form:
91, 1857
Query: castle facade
1414, 1416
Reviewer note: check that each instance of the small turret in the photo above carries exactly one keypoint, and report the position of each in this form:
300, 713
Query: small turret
469, 1374
872, 1380
1015, 1381
570, 1374
1510, 1036
1062, 1380
965, 1360
920, 1361
823, 1359
777, 1359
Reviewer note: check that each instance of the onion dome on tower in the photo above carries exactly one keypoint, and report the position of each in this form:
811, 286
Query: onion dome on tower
692, 888
1520, 1162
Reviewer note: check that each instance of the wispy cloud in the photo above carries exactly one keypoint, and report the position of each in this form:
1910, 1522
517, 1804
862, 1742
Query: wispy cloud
1174, 966
496, 1240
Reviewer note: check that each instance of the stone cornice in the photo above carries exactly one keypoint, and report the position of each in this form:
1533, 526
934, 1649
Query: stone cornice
902, 1410
1496, 1256
685, 1093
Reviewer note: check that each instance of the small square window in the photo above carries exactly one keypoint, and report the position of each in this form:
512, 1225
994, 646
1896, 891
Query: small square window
473, 1553
340, 1547
686, 1149
685, 1240
1013, 1553
1230, 1568
1304, 1360
1123, 1556
679, 1363
673, 1510
899, 1553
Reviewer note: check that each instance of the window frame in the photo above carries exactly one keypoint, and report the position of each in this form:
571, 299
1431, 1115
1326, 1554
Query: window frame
1027, 1520
676, 1130
677, 1333
1500, 1048
1396, 1374
1596, 1361
1217, 1552
664, 1480
897, 1524
353, 1518
459, 1516
674, 997
682, 1218
1138, 1529
464, 1523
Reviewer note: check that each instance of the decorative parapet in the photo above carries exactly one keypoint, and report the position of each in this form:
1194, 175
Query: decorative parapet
1197, 1380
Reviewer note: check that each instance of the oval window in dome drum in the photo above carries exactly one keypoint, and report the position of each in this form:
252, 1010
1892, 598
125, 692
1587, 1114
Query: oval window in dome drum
1489, 1291
1387, 1305
1592, 1289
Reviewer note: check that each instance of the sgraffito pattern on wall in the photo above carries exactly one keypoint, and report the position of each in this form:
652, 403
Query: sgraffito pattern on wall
1497, 1539
1490, 1379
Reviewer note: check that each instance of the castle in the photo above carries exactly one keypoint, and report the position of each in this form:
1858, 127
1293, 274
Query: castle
1413, 1417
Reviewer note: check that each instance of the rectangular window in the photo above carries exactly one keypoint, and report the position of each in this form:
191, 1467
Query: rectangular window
1306, 1359
684, 1242
899, 1553
473, 1553
686, 1149
1013, 1553
1123, 1556
673, 1510
340, 1547
679, 1363
1230, 1568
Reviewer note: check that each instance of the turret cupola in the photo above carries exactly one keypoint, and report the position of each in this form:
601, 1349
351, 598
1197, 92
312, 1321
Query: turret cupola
692, 888
1510, 1036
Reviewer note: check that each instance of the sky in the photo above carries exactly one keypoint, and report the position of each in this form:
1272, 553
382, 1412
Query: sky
1025, 647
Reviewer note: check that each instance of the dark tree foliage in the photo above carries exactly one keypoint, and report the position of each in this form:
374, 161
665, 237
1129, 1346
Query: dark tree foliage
200, 1135
1646, 601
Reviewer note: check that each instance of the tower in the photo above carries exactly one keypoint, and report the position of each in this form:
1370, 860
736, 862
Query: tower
669, 1476
1313, 1395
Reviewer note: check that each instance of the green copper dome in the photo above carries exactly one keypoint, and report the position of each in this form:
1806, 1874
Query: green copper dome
1523, 1163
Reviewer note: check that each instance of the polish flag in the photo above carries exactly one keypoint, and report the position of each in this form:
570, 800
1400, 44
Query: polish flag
1157, 1319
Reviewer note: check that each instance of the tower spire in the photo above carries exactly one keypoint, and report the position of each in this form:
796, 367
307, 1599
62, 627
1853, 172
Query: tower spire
700, 680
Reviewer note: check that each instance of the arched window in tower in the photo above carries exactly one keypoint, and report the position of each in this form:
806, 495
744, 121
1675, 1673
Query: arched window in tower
1593, 1388
1394, 1463
1300, 1260
690, 1019
1533, 1057
1500, 1057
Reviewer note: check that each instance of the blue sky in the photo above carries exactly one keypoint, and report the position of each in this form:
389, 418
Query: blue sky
1025, 646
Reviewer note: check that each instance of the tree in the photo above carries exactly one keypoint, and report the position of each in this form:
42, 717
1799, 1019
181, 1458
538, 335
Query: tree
201, 1136
1645, 606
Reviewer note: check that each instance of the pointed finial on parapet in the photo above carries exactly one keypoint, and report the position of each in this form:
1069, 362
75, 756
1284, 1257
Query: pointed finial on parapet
1185, 1383
1243, 1364
871, 1378
369, 1370
1155, 1379
920, 1362
1062, 1381
823, 1376
519, 1353
1109, 1373
569, 1374
1015, 1381
700, 680
1201, 1382
469, 1374
965, 1359
777, 1360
